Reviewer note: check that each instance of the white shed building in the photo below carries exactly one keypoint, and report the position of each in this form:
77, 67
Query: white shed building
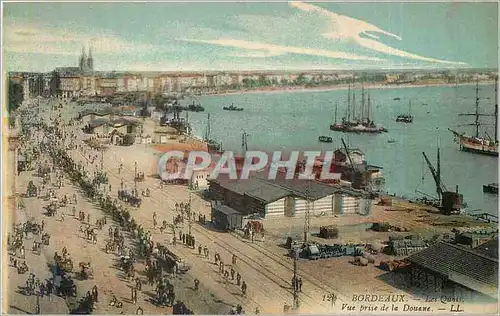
285, 198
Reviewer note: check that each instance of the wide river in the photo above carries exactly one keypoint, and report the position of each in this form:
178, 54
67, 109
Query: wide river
294, 120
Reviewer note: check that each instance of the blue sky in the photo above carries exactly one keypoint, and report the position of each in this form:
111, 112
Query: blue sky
247, 36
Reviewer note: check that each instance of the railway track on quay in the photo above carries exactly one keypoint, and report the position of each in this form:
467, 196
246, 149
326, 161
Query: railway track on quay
271, 275
238, 298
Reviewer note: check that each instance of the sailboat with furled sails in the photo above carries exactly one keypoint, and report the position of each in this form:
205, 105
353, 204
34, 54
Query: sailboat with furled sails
357, 122
213, 145
479, 144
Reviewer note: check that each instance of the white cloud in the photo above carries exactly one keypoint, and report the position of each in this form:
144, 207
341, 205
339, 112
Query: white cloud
276, 50
347, 28
38, 39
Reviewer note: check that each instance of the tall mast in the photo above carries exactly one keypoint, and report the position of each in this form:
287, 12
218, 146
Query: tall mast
477, 109
368, 110
409, 108
438, 173
335, 121
349, 103
362, 102
496, 109
353, 105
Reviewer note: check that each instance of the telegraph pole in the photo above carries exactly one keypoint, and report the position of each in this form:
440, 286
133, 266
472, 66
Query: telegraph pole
294, 285
307, 223
135, 178
189, 215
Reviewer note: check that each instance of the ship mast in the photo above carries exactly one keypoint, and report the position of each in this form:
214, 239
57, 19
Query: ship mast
349, 103
477, 110
368, 110
207, 132
353, 105
496, 109
335, 119
362, 103
409, 108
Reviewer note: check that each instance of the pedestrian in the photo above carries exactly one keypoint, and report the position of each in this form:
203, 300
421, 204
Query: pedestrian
184, 239
234, 259
139, 311
193, 243
243, 288
37, 310
199, 250
300, 284
88, 219
257, 311
154, 220
238, 279
196, 284
42, 289
232, 273
138, 284
22, 252
95, 294
134, 295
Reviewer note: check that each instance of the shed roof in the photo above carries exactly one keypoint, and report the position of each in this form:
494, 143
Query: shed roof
452, 260
98, 122
268, 193
224, 209
299, 187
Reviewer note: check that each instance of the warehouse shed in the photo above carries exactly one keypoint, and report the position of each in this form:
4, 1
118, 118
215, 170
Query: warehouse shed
280, 197
455, 270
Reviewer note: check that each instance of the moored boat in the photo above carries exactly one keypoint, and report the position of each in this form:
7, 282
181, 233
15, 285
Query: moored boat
490, 188
325, 139
407, 117
232, 108
359, 122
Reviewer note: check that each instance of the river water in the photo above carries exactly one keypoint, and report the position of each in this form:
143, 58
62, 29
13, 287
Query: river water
294, 120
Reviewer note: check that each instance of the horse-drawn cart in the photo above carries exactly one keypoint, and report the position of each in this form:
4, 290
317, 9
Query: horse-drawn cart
31, 191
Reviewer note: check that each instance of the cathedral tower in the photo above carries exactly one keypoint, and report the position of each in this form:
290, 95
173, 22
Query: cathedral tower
90, 61
83, 60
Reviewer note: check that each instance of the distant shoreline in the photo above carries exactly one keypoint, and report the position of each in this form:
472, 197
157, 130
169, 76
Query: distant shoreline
297, 89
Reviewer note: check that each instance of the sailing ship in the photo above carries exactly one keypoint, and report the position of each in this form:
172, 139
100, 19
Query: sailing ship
479, 144
405, 118
232, 108
213, 145
357, 122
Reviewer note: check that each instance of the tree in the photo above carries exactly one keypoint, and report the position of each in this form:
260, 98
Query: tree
16, 95
301, 79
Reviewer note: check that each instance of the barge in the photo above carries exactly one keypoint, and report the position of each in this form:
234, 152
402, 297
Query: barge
490, 188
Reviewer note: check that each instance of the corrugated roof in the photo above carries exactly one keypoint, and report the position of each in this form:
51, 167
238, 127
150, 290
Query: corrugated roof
447, 259
298, 187
225, 209
268, 193
98, 122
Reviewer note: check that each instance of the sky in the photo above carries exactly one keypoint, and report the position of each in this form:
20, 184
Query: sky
250, 36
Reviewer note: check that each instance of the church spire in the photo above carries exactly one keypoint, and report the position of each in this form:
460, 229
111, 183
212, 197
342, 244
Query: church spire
83, 60
90, 60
